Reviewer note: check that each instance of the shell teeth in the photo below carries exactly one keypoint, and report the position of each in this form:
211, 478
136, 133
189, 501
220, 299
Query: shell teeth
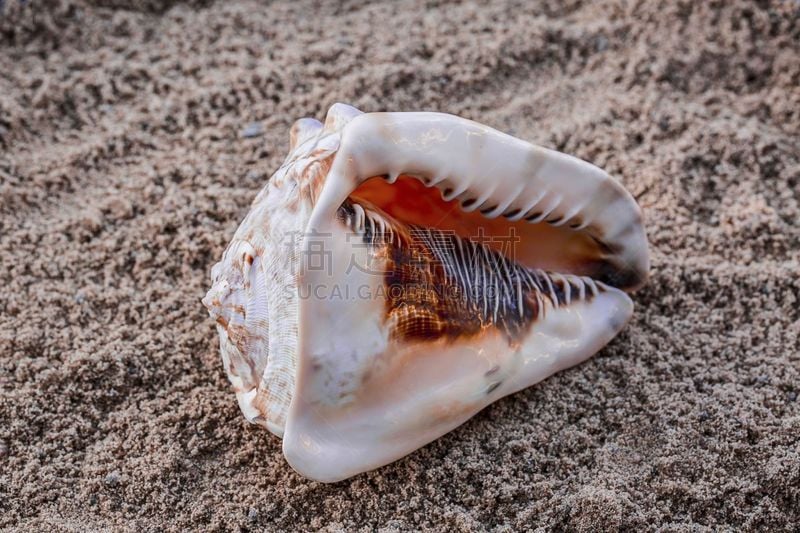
592, 285
530, 205
436, 180
573, 288
543, 214
502, 207
559, 280
567, 216
452, 193
365, 221
551, 290
480, 201
358, 221
460, 191
466, 204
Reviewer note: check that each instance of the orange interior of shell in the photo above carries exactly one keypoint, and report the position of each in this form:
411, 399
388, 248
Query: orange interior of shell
536, 245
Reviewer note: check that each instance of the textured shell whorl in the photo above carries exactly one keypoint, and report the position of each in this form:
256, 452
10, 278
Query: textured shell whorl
253, 298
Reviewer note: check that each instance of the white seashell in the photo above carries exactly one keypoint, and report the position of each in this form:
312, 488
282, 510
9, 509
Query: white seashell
401, 271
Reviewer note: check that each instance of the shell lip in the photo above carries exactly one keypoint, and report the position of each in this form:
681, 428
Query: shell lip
539, 186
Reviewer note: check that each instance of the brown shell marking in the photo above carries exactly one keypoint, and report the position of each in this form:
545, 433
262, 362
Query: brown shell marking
442, 286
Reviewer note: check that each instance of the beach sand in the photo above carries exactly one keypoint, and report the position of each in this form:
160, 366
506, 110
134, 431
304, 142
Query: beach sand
125, 169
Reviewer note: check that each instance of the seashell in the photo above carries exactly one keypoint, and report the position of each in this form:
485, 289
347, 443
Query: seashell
401, 271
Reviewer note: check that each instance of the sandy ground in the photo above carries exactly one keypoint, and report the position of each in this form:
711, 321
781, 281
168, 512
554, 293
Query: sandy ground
124, 172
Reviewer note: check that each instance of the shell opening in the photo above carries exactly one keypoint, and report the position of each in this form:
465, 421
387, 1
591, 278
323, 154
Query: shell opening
524, 236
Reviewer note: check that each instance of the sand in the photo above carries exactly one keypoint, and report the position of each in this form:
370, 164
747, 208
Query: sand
129, 154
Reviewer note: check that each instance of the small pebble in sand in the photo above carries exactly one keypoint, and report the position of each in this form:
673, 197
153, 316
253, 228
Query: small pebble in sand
254, 129
112, 478
252, 175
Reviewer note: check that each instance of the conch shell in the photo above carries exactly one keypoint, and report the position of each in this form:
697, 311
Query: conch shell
401, 271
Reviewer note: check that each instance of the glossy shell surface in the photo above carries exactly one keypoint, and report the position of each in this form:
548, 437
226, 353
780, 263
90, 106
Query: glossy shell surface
401, 271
